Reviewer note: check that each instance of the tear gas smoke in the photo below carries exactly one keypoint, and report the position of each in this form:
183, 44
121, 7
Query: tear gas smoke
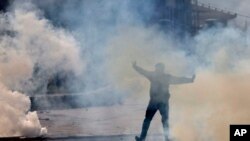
204, 109
29, 41
112, 36
16, 120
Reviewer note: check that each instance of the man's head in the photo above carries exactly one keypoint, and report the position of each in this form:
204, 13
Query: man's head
159, 67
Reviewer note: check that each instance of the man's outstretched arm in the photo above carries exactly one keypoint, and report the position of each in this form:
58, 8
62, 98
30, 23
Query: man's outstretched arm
141, 70
181, 80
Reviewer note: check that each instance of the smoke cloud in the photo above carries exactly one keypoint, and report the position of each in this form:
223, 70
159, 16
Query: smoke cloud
16, 120
219, 95
32, 51
109, 35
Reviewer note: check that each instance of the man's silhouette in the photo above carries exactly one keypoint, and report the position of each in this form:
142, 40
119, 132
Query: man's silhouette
159, 95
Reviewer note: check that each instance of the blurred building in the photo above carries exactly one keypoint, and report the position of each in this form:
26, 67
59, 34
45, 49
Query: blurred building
188, 15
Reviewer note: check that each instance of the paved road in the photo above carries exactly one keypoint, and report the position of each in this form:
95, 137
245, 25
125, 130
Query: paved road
85, 138
110, 123
98, 121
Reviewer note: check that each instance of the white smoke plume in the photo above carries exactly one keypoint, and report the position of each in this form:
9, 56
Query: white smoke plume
114, 37
218, 97
29, 42
15, 119
219, 56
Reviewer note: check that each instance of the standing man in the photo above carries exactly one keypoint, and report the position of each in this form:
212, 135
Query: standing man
159, 96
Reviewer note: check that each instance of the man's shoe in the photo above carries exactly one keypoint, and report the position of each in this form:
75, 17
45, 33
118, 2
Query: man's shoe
138, 138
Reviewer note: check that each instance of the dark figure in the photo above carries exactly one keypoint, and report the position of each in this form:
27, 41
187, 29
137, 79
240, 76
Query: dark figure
159, 96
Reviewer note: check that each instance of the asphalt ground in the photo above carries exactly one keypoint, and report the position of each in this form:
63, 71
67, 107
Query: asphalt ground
85, 138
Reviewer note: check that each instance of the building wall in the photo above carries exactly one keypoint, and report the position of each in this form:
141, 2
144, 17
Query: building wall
173, 15
186, 15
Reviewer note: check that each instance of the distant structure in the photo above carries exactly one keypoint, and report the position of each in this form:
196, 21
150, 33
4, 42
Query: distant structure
206, 15
188, 15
